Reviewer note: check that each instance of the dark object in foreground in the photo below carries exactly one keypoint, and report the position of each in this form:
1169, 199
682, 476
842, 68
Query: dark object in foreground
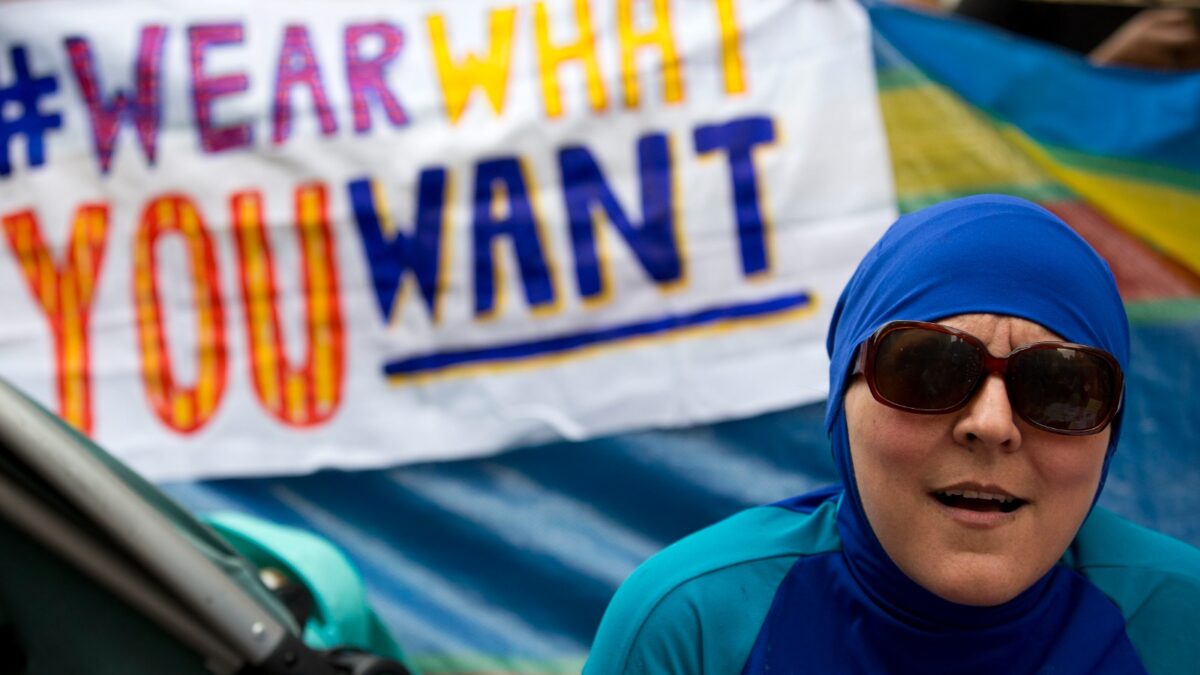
103, 574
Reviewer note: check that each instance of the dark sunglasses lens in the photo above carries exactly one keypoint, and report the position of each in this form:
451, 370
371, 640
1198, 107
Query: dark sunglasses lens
1062, 388
925, 369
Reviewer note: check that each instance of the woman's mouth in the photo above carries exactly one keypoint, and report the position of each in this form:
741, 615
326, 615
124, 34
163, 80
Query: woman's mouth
973, 500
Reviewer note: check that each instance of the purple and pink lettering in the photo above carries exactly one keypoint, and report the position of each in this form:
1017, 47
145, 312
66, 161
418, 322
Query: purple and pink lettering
206, 88
365, 74
144, 106
298, 66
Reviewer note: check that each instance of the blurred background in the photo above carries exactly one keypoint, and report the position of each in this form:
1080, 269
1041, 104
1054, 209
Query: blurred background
501, 300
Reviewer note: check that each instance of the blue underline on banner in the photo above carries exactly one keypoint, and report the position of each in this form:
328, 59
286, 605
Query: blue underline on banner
535, 352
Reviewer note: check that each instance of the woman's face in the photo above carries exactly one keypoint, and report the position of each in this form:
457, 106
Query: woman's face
903, 460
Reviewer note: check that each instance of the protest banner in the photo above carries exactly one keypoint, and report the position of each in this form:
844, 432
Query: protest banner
349, 235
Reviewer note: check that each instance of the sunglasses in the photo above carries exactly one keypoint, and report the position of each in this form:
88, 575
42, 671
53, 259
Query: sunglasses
928, 368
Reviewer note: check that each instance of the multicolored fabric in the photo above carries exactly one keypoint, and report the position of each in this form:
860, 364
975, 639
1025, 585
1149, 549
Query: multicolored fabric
1113, 151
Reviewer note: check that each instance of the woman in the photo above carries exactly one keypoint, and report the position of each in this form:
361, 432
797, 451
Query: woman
954, 543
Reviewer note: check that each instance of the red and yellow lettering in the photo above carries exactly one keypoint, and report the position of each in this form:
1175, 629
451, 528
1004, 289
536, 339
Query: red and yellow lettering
64, 291
184, 409
310, 393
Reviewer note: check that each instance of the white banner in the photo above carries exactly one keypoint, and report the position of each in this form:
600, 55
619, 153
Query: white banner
268, 237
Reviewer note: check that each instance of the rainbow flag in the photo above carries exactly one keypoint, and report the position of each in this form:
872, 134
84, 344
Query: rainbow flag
1114, 151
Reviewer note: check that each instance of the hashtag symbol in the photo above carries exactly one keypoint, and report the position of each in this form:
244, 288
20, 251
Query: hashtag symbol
19, 113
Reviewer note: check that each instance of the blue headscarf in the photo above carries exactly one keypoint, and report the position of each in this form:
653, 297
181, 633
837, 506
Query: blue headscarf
987, 254
990, 254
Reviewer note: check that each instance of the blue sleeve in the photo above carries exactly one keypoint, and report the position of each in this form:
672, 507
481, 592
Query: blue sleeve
1154, 580
697, 606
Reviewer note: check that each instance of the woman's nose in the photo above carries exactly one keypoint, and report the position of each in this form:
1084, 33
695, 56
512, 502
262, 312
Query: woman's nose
988, 419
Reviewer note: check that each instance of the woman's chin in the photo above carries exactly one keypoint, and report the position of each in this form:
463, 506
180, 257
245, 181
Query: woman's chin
979, 595
981, 581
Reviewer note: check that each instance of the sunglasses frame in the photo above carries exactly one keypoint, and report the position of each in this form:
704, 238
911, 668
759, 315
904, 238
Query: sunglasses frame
991, 365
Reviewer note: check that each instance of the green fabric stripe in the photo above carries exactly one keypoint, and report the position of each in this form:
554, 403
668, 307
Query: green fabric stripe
900, 77
1037, 192
1171, 310
1125, 168
461, 664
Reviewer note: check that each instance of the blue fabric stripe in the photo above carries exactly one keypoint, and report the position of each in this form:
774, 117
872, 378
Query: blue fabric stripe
1049, 93
566, 343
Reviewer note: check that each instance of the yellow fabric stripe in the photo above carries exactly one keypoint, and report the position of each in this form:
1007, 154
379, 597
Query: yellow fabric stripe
1163, 215
942, 147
